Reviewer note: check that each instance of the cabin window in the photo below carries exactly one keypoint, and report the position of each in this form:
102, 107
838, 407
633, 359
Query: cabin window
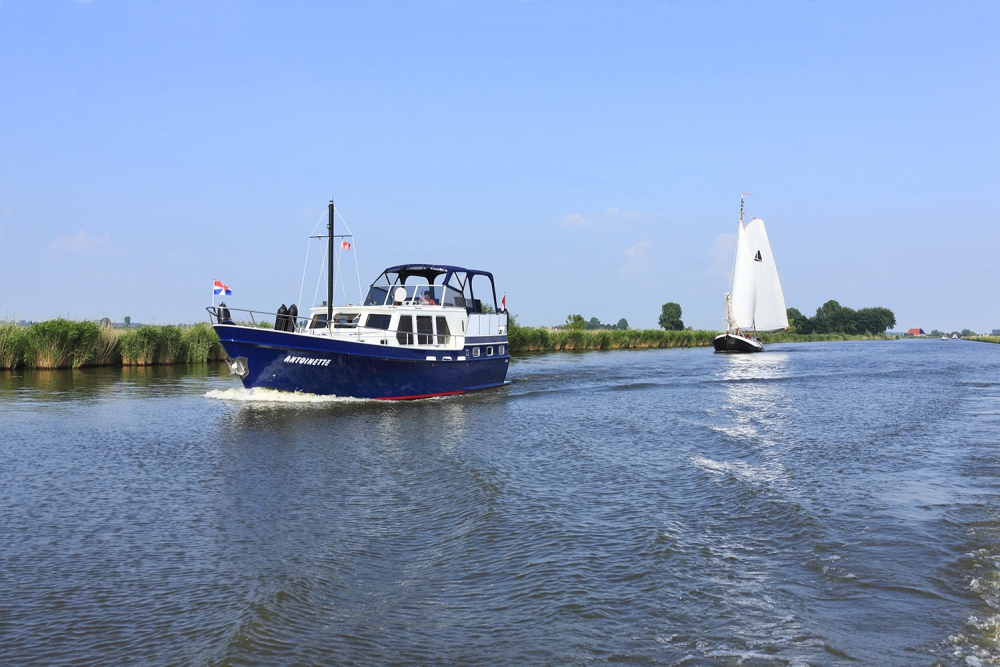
501, 350
475, 351
379, 321
442, 330
377, 296
318, 321
482, 294
425, 330
489, 351
404, 332
345, 320
453, 292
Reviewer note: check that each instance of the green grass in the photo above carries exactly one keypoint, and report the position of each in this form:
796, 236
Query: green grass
984, 339
530, 339
789, 337
63, 343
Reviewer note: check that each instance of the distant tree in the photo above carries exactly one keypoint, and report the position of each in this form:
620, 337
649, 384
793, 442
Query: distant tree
831, 317
798, 322
996, 332
935, 333
967, 332
128, 321
670, 317
594, 323
873, 320
622, 324
575, 322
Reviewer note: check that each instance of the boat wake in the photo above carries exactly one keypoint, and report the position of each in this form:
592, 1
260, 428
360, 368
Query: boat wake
265, 395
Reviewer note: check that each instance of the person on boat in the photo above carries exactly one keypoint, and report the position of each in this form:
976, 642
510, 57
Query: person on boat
428, 299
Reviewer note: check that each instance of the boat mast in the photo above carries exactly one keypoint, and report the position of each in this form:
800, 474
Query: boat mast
329, 269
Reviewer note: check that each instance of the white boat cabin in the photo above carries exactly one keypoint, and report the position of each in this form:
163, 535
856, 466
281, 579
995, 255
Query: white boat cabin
417, 305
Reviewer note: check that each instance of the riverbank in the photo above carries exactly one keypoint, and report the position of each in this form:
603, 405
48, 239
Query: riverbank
530, 339
984, 339
68, 344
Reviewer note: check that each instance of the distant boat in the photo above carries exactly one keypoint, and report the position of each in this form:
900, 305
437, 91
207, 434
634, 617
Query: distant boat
944, 336
754, 301
954, 335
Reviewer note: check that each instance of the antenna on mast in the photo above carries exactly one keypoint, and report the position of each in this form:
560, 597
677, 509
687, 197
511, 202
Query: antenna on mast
742, 195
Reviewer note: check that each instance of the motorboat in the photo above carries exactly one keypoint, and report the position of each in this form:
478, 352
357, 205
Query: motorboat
422, 330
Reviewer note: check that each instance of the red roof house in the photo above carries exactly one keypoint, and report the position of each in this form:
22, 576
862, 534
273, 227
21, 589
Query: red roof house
915, 332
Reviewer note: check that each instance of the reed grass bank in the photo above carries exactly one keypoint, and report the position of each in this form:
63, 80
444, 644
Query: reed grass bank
789, 337
68, 344
984, 339
530, 339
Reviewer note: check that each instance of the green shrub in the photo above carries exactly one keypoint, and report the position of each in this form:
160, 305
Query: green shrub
12, 339
201, 344
61, 343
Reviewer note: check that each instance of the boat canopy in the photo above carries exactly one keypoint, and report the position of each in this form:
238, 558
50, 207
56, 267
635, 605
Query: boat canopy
435, 284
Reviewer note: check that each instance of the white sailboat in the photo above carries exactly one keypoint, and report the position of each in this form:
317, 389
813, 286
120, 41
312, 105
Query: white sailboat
754, 301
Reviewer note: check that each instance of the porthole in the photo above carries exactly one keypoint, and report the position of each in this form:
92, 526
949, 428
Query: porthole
489, 351
475, 351
501, 350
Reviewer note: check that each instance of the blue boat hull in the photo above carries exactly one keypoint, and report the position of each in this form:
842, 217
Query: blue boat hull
318, 365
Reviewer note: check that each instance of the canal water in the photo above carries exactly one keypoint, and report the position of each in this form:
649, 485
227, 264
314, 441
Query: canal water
819, 504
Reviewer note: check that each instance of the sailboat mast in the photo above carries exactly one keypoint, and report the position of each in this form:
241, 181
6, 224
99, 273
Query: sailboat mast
329, 264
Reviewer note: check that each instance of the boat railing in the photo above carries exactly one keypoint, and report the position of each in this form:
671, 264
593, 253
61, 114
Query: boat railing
259, 319
223, 315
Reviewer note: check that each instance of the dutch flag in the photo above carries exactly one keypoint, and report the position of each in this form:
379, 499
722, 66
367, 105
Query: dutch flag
222, 289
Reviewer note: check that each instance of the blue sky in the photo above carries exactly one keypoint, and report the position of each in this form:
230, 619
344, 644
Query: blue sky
591, 155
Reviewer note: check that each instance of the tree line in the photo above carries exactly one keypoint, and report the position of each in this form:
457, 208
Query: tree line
577, 323
831, 317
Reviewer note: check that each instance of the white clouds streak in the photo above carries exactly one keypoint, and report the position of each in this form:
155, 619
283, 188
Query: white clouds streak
613, 219
636, 257
81, 243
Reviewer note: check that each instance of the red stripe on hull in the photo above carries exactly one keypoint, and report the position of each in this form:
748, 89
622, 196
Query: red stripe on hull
410, 398
446, 393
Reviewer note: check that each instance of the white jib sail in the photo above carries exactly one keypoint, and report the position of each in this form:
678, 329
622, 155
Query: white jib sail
769, 310
742, 299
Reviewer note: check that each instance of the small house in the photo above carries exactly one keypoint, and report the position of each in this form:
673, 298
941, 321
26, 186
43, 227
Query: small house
915, 332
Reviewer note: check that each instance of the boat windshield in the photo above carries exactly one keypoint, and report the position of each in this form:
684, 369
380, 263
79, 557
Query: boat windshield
439, 286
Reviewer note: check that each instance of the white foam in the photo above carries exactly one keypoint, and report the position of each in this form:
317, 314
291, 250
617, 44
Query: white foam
264, 395
773, 475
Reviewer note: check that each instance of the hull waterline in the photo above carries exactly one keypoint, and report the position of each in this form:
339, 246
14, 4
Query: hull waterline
728, 342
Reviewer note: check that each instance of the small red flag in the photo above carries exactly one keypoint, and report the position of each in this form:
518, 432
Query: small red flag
503, 302
344, 245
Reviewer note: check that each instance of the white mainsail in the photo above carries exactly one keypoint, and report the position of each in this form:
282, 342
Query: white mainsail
742, 296
756, 301
769, 305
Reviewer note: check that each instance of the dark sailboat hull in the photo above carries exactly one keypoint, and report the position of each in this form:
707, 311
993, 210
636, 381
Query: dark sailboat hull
728, 342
